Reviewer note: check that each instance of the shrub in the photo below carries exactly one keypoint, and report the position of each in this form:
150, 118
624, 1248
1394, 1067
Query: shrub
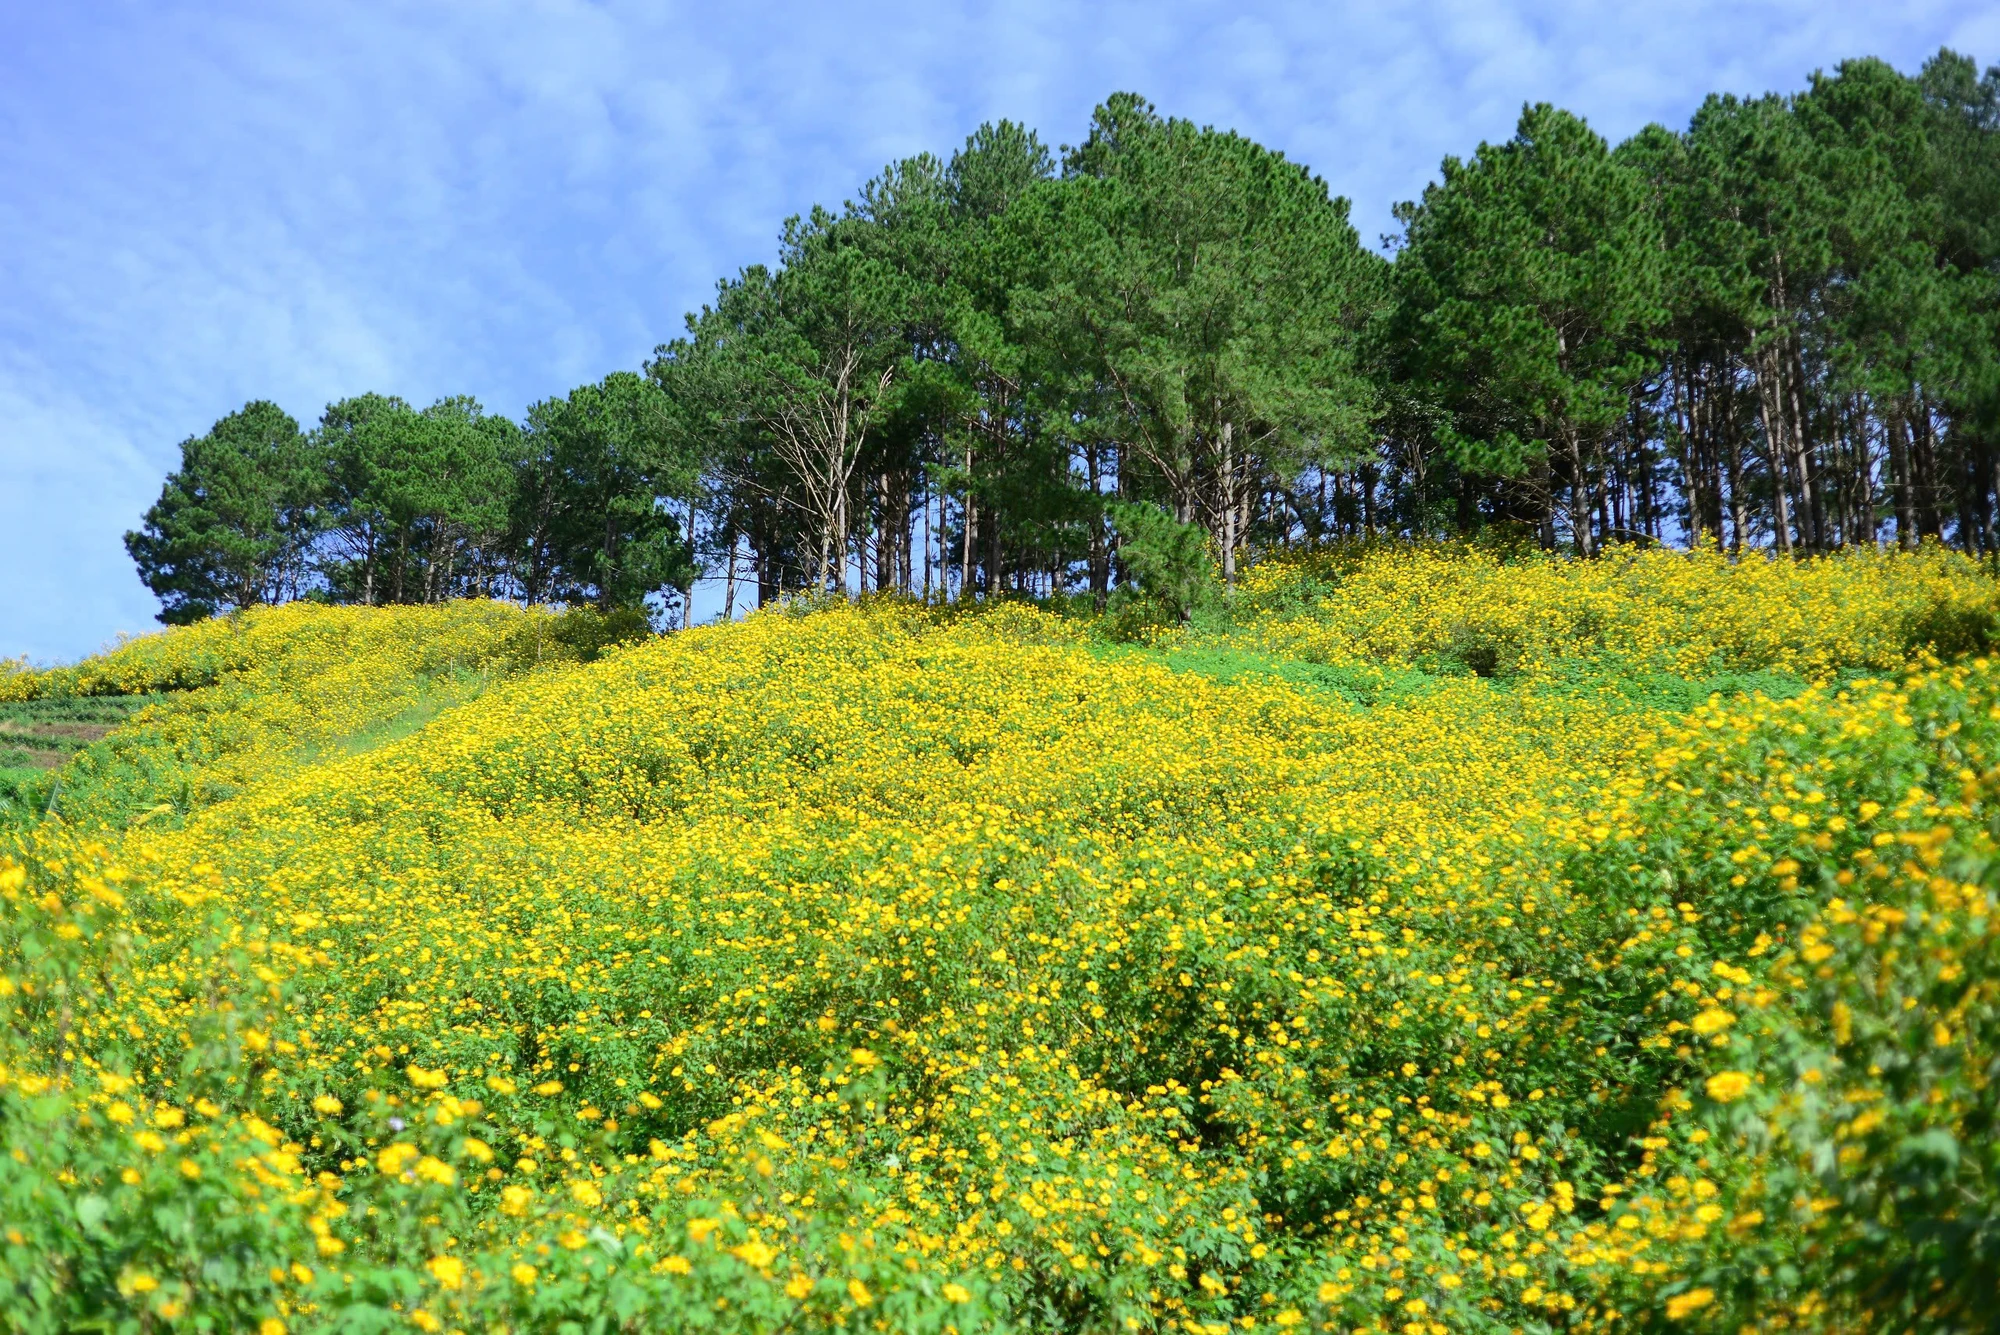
1170, 560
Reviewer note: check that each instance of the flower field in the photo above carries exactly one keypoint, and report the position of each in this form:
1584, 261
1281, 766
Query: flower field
889, 968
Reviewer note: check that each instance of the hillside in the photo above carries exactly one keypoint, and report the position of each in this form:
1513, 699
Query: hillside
1426, 942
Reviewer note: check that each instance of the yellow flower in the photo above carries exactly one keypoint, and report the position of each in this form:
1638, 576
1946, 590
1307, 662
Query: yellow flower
859, 1293
676, 1265
395, 1158
1713, 1021
1693, 1300
447, 1270
799, 1286
549, 1087
431, 1169
1728, 1086
755, 1254
523, 1273
270, 1325
957, 1293
424, 1321
514, 1199
424, 1079
327, 1104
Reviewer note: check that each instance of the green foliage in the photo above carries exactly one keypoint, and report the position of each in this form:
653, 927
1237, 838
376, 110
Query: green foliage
810, 355
586, 634
1952, 630
329, 681
590, 511
1200, 298
1358, 685
1529, 280
415, 502
1170, 561
39, 736
232, 523
1852, 1062
1773, 328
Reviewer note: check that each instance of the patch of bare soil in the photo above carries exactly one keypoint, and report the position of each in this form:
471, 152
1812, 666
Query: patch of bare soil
83, 734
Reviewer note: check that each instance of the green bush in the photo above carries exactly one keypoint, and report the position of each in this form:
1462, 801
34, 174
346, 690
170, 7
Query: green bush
579, 634
1170, 560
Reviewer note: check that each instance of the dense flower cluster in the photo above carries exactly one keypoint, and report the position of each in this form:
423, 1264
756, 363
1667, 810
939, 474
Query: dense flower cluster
278, 688
1691, 614
883, 969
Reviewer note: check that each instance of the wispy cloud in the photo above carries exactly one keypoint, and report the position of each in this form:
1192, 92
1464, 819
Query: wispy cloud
206, 203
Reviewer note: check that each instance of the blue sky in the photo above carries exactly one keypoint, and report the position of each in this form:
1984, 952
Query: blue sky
206, 203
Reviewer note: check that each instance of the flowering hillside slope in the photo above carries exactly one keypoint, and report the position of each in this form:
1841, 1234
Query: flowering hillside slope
884, 968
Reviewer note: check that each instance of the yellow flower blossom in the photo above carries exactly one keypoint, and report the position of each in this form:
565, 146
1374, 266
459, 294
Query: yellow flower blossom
393, 1160
1728, 1086
1682, 1304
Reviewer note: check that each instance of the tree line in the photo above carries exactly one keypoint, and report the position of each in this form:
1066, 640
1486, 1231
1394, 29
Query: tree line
1776, 329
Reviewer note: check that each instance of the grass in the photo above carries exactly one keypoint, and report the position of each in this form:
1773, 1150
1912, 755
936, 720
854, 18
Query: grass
1364, 686
53, 732
39, 737
1367, 685
440, 691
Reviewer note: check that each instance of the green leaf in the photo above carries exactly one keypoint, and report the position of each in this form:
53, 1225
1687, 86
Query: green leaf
90, 1211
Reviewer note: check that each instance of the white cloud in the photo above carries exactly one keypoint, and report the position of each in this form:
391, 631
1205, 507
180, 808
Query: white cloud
211, 203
